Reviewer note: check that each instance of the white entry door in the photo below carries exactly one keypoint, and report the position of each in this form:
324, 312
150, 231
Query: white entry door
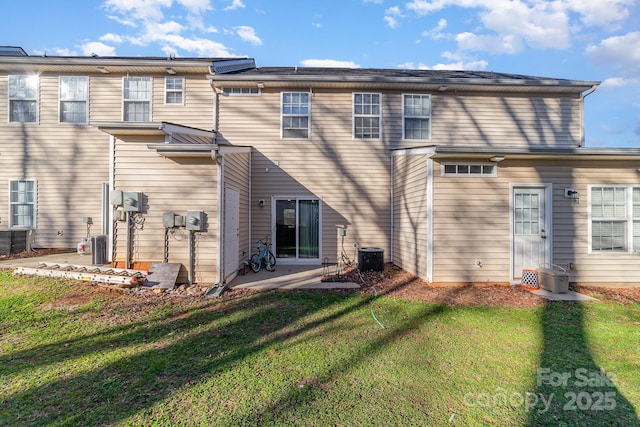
231, 232
531, 242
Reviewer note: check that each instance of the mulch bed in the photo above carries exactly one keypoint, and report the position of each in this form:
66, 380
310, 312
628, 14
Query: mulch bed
397, 283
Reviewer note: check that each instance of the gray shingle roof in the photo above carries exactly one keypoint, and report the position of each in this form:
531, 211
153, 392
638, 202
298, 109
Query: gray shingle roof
382, 74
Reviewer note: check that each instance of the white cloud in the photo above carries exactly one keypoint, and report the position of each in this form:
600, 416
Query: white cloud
248, 34
135, 10
373, 1
391, 16
436, 32
148, 17
540, 24
201, 47
111, 38
461, 65
603, 13
623, 51
391, 22
195, 6
619, 82
56, 52
235, 4
328, 63
97, 48
458, 65
489, 43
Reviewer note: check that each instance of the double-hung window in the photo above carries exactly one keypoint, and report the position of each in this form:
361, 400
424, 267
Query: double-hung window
23, 98
174, 90
416, 117
615, 219
295, 114
22, 203
136, 97
74, 96
367, 115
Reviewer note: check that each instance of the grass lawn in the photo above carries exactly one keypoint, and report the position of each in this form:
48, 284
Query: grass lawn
73, 354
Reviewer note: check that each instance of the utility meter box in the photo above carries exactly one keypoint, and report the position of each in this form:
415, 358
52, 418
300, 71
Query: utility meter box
132, 201
168, 220
172, 220
115, 197
194, 221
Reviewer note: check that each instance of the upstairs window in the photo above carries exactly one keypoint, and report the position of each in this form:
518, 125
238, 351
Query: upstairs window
136, 96
74, 95
295, 114
367, 115
469, 169
23, 99
416, 113
241, 91
22, 203
174, 90
615, 219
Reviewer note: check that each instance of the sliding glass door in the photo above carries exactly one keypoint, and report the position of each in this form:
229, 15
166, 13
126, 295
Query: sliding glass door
297, 229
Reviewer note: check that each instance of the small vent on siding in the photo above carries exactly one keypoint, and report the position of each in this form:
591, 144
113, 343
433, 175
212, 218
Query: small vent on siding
231, 66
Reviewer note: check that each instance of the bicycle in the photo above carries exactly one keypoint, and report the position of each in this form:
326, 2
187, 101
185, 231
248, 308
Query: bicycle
264, 257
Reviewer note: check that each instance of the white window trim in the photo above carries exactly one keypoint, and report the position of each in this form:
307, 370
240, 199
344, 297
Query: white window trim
297, 261
230, 91
628, 220
183, 90
150, 100
60, 101
282, 116
354, 115
9, 99
429, 117
35, 204
494, 173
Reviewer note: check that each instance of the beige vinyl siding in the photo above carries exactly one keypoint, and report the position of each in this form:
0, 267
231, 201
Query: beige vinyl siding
351, 177
471, 223
69, 162
410, 213
197, 111
493, 120
475, 224
168, 185
236, 175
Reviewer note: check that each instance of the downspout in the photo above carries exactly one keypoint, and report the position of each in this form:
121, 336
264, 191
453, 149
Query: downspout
112, 162
392, 207
219, 160
582, 97
250, 177
429, 218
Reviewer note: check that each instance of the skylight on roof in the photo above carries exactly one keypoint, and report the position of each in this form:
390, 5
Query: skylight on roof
12, 51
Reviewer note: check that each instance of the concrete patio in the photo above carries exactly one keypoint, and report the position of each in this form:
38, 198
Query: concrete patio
288, 277
284, 276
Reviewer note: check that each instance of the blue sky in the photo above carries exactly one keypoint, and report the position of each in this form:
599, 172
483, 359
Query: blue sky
574, 39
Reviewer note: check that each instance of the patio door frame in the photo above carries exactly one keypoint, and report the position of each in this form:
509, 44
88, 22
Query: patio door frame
546, 216
295, 260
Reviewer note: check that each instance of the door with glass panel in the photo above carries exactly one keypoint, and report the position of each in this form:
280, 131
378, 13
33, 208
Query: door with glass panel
530, 227
296, 229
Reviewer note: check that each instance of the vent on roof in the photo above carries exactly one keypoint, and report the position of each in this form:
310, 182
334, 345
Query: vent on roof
230, 66
12, 51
